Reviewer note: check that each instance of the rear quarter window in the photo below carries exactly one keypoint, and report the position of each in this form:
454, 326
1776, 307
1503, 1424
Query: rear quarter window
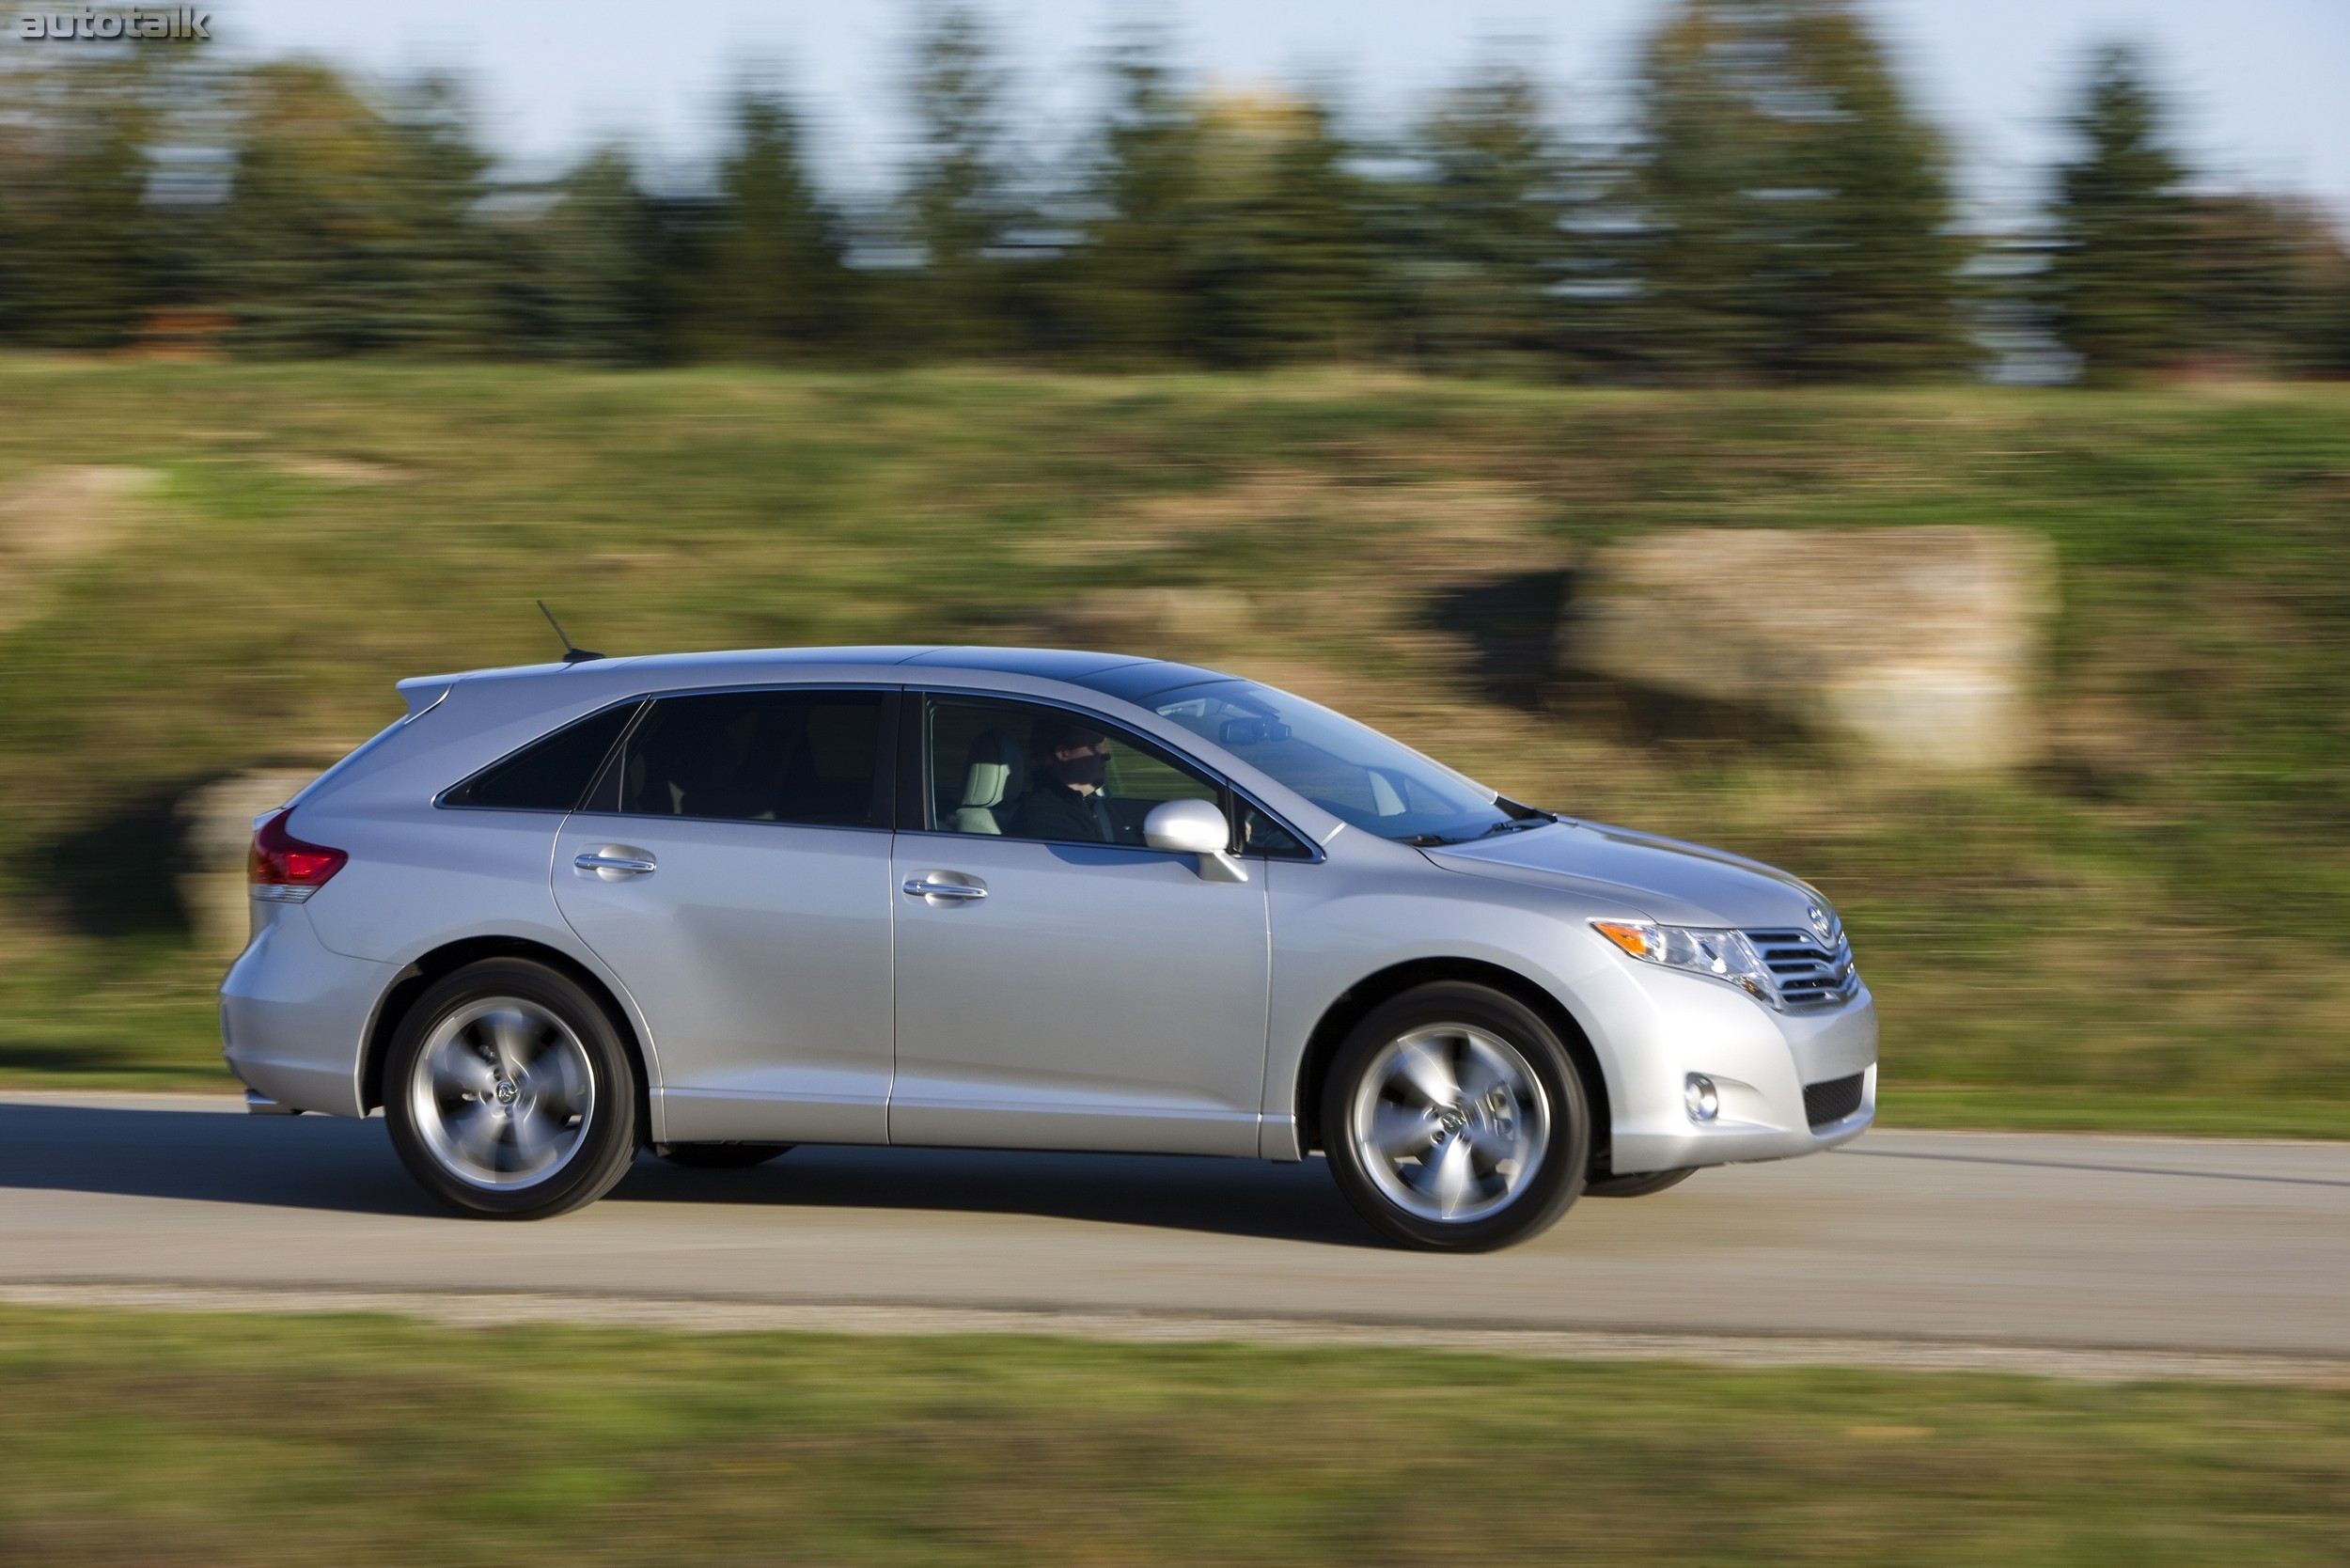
551, 774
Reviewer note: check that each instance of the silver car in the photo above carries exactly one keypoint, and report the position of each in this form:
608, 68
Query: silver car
721, 904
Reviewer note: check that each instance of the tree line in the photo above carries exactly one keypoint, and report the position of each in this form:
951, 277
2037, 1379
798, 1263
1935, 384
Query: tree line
1778, 211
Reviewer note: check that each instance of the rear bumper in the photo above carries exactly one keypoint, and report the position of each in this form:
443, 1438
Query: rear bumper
294, 1016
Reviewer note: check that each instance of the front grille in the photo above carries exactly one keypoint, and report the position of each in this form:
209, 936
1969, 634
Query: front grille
1813, 971
1833, 1101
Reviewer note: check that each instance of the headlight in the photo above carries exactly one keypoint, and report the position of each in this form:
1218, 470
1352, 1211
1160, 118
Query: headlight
1725, 955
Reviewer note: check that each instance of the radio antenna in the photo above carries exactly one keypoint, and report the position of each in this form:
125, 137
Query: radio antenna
572, 656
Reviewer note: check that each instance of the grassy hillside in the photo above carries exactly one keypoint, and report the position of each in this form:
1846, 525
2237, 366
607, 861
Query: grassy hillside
140, 1440
2149, 929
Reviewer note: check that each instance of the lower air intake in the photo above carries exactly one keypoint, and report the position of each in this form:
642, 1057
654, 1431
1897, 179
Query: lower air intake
1831, 1102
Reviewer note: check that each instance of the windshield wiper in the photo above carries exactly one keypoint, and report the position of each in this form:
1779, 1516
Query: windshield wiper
1508, 824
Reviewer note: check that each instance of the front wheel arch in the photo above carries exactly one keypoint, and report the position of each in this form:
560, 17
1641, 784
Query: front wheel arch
1356, 1002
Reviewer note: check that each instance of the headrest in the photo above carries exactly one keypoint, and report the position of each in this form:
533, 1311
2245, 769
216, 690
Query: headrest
996, 773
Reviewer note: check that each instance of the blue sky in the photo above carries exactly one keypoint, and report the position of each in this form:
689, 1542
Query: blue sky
2262, 85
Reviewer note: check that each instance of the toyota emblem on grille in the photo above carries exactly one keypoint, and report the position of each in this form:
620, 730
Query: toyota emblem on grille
1820, 921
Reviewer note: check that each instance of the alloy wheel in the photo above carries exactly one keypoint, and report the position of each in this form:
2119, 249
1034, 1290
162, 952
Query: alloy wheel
502, 1094
1451, 1123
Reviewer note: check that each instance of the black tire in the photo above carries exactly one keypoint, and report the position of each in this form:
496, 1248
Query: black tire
1512, 1204
1636, 1187
723, 1156
565, 1078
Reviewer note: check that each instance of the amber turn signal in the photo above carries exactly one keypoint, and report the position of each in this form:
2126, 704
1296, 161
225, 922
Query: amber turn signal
1638, 940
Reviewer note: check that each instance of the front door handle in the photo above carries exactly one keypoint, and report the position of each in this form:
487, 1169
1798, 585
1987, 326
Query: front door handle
929, 886
613, 866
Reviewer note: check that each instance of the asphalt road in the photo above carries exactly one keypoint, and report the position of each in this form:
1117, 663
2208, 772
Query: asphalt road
1979, 1239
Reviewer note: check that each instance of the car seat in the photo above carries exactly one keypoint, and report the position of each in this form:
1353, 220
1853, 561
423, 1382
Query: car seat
997, 773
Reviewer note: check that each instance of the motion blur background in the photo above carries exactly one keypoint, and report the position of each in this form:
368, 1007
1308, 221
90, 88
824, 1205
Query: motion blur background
1398, 361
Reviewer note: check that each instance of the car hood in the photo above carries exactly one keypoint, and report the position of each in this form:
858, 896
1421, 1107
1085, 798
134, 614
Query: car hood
1675, 883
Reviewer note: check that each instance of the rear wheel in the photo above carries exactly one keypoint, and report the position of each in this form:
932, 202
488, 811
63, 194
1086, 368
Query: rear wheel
508, 1093
1453, 1119
723, 1156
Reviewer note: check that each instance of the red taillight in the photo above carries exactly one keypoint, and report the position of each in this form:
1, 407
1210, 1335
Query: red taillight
282, 861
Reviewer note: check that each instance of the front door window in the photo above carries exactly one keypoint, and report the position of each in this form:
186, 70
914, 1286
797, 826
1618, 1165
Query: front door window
1026, 769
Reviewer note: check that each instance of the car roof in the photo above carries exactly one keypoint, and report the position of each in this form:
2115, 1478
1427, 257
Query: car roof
1120, 675
1124, 676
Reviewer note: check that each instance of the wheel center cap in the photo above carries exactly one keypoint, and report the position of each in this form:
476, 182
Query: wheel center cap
1454, 1117
506, 1092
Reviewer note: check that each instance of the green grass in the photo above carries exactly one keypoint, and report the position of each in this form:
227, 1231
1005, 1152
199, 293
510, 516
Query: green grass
153, 1439
2091, 1111
2150, 927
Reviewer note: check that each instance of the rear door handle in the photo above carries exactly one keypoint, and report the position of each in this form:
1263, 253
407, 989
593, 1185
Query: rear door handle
611, 867
931, 887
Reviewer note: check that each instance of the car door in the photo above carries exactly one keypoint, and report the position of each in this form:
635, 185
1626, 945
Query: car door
732, 867
1058, 984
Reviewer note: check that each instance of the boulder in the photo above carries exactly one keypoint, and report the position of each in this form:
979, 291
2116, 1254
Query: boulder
216, 831
1919, 647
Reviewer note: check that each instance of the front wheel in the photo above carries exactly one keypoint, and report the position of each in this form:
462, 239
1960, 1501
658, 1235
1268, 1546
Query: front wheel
508, 1093
1454, 1120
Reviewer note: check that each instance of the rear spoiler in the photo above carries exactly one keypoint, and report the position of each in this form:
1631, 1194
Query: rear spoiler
424, 691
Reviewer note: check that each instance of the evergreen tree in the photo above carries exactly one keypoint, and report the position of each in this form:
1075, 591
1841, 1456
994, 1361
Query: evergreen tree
80, 262
590, 269
962, 194
352, 231
2269, 283
2117, 285
1137, 277
1793, 211
1489, 247
1699, 254
1286, 261
1870, 278
768, 278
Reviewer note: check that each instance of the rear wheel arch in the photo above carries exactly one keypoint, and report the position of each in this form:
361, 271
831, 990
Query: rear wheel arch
421, 976
1357, 1001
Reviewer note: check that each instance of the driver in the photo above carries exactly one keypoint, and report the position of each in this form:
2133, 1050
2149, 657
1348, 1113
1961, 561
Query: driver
1069, 763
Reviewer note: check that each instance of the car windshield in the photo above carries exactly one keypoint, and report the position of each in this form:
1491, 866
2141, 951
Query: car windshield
1348, 769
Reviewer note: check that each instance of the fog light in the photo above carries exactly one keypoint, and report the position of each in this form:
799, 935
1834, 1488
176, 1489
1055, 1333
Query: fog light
1705, 1101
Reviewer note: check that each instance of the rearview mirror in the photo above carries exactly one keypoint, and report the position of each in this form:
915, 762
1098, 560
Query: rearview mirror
1251, 731
1195, 827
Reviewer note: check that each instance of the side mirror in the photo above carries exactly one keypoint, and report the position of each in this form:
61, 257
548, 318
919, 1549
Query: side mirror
1195, 827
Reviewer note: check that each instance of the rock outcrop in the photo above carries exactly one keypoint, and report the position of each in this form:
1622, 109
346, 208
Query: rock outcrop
1919, 647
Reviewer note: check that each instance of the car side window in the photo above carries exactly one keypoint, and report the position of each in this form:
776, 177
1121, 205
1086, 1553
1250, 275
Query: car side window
779, 756
1027, 770
551, 774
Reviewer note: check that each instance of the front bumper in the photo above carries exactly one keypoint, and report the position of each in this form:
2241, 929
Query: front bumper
1761, 1062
